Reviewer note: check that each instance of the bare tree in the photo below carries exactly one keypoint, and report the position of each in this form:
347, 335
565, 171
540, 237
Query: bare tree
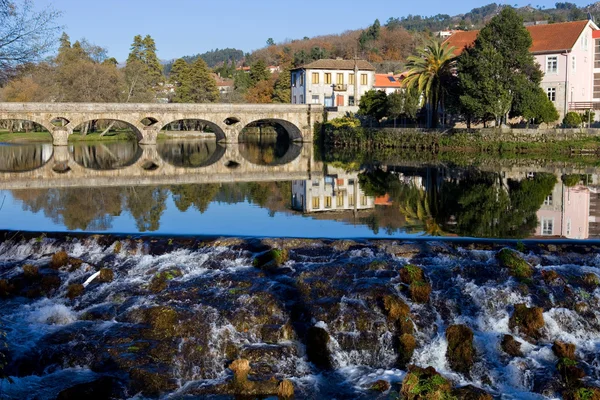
25, 34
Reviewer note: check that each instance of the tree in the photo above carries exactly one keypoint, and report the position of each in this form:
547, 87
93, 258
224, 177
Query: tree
374, 104
180, 77
143, 71
262, 92
498, 73
538, 107
427, 71
25, 34
282, 92
202, 84
270, 42
259, 72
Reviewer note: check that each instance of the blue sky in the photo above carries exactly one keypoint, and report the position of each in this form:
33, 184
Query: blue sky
185, 27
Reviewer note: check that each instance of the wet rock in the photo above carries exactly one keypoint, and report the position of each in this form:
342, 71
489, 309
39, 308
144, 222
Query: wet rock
316, 347
7, 289
406, 250
550, 276
471, 393
380, 386
406, 348
163, 321
271, 259
275, 333
510, 346
518, 267
460, 351
425, 384
151, 382
59, 259
395, 308
570, 373
31, 272
75, 290
285, 389
104, 312
528, 321
106, 275
420, 292
100, 389
591, 280
563, 350
49, 284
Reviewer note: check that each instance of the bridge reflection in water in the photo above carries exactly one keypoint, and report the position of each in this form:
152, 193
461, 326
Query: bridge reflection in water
169, 162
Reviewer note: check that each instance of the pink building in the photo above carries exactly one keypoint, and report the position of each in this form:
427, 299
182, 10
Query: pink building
569, 55
565, 213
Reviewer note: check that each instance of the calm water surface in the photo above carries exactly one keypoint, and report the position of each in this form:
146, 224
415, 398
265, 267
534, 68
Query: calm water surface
283, 190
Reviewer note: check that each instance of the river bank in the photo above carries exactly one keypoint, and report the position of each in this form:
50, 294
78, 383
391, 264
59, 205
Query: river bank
346, 319
491, 141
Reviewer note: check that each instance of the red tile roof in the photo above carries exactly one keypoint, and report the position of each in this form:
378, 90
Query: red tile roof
546, 38
386, 81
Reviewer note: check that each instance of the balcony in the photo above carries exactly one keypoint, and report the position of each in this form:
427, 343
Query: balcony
340, 87
584, 105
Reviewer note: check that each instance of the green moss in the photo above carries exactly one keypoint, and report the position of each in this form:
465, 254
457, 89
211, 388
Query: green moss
518, 267
426, 384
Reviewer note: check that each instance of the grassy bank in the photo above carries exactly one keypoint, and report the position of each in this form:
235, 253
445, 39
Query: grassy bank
95, 137
25, 137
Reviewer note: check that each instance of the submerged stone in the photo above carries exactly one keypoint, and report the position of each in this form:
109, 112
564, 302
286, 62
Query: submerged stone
460, 351
316, 347
528, 321
510, 346
406, 348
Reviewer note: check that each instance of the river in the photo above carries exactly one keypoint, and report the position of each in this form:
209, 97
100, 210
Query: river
144, 272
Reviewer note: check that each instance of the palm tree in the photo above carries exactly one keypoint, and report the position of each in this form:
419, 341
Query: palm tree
427, 71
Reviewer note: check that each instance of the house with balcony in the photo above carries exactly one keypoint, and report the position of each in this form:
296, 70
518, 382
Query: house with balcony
333, 83
569, 55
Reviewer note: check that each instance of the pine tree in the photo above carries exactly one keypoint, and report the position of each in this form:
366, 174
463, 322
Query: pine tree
151, 60
136, 50
203, 87
259, 72
282, 92
180, 77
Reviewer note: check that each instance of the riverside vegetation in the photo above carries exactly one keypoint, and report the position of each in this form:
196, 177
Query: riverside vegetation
308, 318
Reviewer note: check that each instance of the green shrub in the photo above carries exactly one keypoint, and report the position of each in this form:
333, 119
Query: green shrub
572, 120
571, 180
345, 121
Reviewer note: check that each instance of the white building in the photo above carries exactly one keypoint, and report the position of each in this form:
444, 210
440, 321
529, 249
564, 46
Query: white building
333, 83
337, 191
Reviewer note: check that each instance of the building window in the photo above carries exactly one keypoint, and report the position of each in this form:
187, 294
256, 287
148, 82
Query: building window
548, 200
597, 54
316, 204
351, 200
547, 227
596, 86
584, 42
568, 226
350, 100
350, 182
551, 92
552, 64
339, 79
316, 182
363, 79
351, 79
363, 200
295, 80
301, 99
301, 79
339, 201
327, 201
315, 77
573, 64
294, 100
327, 78
316, 99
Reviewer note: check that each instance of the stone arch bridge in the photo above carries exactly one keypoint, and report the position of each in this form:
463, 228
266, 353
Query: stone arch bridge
146, 120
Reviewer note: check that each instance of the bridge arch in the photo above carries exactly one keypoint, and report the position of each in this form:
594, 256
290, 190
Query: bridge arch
106, 156
25, 157
216, 128
190, 153
135, 126
293, 131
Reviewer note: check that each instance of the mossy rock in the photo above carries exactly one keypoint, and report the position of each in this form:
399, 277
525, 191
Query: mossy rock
550, 276
591, 279
510, 346
583, 393
518, 267
395, 308
528, 321
470, 393
563, 350
106, 275
570, 373
271, 259
425, 384
75, 290
406, 348
31, 272
7, 289
160, 281
59, 259
411, 273
420, 291
50, 283
380, 386
460, 353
